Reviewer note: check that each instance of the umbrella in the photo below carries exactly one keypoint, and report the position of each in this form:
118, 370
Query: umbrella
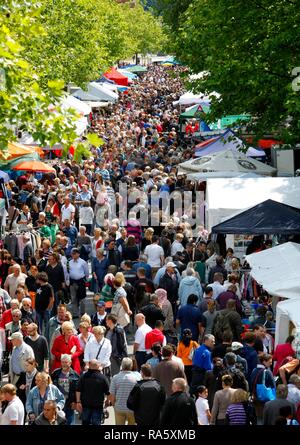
4, 176
34, 166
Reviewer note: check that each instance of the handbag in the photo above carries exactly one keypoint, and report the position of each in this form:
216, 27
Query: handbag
263, 393
5, 363
122, 316
191, 353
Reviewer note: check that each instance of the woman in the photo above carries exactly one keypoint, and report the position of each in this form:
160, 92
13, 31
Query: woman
156, 358
282, 351
107, 291
239, 412
222, 400
213, 379
167, 310
85, 334
67, 343
44, 390
130, 250
120, 306
261, 373
185, 350
147, 240
86, 217
27, 379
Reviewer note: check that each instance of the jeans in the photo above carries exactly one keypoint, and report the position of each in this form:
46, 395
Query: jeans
91, 416
70, 416
141, 358
43, 318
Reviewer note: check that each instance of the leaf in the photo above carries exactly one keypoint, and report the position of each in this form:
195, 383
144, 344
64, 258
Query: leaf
56, 84
95, 140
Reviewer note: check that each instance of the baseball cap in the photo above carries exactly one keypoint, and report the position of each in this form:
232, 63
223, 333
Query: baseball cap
16, 336
171, 264
75, 250
101, 303
236, 345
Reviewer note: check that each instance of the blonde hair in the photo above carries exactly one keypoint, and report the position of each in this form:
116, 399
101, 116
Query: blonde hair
99, 330
9, 389
66, 325
239, 396
44, 376
86, 318
119, 278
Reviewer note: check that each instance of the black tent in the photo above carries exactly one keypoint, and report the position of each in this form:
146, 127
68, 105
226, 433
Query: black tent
268, 217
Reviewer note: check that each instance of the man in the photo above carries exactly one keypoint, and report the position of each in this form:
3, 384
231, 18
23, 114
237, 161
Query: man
120, 388
128, 272
98, 348
219, 268
116, 336
189, 317
142, 263
50, 415
170, 283
239, 379
155, 255
99, 317
229, 294
44, 301
56, 321
15, 324
259, 332
153, 311
112, 254
14, 412
70, 231
143, 281
78, 274
13, 280
221, 349
200, 253
202, 362
40, 347
272, 408
56, 277
146, 399
207, 297
84, 243
66, 380
217, 285
208, 317
228, 320
139, 348
167, 370
92, 388
179, 409
160, 273
155, 336
67, 211
294, 390
189, 285
99, 269
249, 353
20, 353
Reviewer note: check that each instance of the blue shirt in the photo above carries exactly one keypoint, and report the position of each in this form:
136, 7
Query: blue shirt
145, 266
202, 358
15, 360
189, 316
78, 269
71, 233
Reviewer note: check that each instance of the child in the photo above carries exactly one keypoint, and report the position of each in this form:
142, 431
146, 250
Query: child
202, 407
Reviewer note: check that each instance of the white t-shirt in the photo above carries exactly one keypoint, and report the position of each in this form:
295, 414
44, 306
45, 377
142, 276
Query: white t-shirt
154, 253
14, 411
140, 336
66, 212
176, 247
202, 407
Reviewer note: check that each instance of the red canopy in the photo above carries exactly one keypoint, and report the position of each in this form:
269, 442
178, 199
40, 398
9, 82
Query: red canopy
117, 77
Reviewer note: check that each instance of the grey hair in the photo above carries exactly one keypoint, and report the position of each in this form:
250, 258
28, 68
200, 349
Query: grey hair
143, 258
281, 391
126, 364
26, 300
180, 383
66, 357
190, 272
208, 337
294, 379
16, 311
169, 259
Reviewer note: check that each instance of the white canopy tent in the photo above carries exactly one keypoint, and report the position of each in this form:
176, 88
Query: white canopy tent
287, 312
190, 98
78, 105
203, 176
96, 92
227, 161
277, 270
226, 197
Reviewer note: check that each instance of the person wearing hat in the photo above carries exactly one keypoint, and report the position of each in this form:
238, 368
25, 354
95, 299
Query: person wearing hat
242, 362
170, 283
99, 317
20, 354
78, 273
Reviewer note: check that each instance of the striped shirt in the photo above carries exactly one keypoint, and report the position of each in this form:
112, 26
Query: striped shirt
236, 414
121, 386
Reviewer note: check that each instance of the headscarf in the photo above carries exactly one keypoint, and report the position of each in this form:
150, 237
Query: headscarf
162, 296
109, 278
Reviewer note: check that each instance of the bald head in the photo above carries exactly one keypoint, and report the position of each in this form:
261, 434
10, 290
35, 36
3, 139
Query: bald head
139, 319
94, 364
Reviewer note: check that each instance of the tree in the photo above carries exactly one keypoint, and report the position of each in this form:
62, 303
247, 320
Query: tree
250, 53
24, 103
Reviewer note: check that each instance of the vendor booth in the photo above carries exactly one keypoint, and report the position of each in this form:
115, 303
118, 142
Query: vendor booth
96, 92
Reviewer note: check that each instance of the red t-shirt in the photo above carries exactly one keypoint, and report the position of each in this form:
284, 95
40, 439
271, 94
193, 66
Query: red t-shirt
281, 352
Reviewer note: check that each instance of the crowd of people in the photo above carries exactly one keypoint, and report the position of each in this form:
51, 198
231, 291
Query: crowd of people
201, 330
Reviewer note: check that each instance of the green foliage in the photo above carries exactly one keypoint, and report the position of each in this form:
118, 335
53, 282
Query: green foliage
81, 151
95, 140
250, 52
24, 103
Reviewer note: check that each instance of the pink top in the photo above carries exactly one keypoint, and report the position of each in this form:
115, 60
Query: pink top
281, 352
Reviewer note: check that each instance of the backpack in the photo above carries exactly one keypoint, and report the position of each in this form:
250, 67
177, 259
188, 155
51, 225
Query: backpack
221, 325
